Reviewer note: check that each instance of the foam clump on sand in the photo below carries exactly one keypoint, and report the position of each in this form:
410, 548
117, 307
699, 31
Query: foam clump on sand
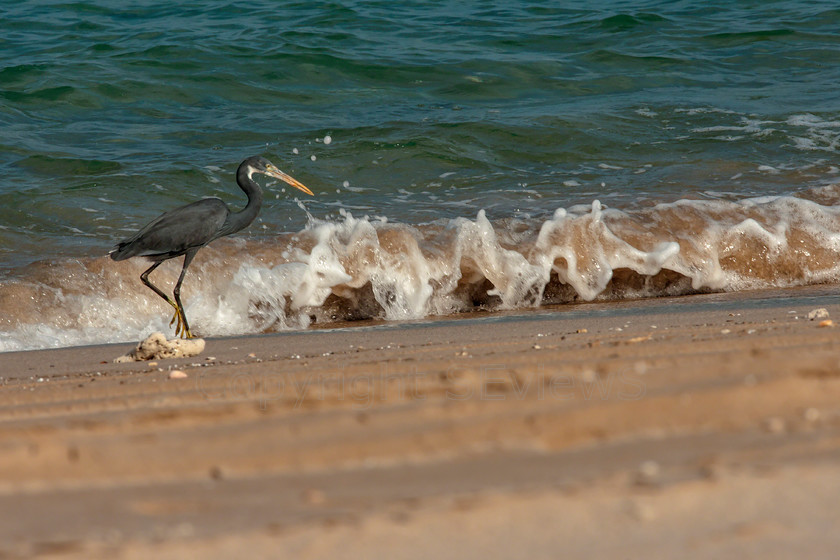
819, 313
157, 347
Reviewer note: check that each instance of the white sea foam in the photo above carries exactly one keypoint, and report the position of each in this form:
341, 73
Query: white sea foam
361, 267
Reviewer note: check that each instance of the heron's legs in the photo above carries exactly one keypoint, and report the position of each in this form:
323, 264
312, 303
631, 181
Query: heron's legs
176, 304
145, 278
185, 327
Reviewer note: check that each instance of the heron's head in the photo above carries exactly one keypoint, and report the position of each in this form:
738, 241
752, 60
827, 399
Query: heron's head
259, 164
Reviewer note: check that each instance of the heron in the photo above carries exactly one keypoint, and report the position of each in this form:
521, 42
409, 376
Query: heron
185, 230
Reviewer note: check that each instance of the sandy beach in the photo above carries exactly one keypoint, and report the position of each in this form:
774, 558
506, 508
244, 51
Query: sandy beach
691, 427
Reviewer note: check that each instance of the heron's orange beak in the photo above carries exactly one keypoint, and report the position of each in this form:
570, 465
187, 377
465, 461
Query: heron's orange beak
272, 171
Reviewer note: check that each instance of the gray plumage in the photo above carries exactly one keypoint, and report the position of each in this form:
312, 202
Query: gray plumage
185, 230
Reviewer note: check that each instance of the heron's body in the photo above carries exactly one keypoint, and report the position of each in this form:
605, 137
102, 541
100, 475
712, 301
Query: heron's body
185, 230
155, 241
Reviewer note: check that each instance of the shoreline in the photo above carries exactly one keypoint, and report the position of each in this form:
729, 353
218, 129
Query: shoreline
666, 417
811, 294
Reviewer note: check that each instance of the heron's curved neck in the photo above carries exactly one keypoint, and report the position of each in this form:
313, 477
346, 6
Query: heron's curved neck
242, 219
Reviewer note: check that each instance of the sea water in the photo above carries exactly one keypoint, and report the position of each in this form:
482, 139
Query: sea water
484, 154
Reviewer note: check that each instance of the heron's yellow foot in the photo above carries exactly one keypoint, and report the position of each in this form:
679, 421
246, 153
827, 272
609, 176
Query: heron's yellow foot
182, 327
176, 317
178, 320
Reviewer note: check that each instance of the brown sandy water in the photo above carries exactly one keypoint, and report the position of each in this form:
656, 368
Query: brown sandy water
359, 268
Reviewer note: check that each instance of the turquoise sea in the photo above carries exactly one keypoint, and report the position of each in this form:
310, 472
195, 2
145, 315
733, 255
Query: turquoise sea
480, 153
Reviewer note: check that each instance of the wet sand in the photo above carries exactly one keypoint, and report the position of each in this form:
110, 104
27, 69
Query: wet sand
691, 427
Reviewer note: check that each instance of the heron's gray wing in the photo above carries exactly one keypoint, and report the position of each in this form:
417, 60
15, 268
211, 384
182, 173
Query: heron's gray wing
176, 231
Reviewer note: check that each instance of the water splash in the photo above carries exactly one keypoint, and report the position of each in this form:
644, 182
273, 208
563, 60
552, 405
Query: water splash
358, 268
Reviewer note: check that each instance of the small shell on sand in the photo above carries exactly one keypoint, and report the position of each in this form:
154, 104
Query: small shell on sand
827, 323
157, 347
177, 374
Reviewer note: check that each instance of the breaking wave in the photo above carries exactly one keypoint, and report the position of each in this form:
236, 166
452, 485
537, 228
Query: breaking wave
360, 268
